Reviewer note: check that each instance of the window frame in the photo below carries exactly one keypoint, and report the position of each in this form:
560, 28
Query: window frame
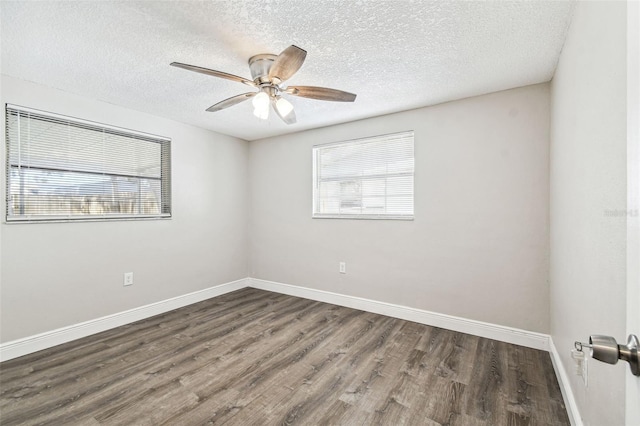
165, 179
360, 216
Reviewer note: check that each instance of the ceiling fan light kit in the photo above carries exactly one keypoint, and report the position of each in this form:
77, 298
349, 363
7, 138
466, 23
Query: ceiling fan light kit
269, 72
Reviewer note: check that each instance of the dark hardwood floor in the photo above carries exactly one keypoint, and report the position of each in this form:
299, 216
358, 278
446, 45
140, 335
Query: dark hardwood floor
255, 357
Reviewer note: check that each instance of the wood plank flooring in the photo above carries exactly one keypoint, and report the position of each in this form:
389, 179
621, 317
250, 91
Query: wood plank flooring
253, 357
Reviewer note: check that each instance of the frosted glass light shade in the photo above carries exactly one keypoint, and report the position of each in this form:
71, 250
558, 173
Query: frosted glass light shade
261, 105
284, 107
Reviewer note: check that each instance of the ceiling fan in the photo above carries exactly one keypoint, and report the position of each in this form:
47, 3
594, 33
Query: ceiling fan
269, 72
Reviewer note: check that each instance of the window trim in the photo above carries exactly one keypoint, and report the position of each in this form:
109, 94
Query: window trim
315, 215
97, 126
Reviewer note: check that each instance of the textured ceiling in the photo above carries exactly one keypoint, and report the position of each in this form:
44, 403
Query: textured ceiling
395, 55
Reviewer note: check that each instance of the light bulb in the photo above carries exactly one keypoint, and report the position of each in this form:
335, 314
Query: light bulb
284, 107
261, 114
261, 105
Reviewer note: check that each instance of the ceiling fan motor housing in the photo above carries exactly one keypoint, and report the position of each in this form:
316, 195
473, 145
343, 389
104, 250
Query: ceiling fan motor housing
260, 66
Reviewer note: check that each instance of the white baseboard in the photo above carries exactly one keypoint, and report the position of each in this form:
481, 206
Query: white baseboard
27, 345
20, 347
478, 328
52, 338
565, 386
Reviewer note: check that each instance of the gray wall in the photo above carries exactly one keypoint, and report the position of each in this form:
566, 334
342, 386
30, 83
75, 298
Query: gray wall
588, 182
478, 247
54, 275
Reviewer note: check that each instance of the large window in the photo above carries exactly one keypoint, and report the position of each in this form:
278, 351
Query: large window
62, 168
369, 178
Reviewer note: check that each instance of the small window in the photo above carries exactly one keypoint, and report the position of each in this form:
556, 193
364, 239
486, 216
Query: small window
63, 168
369, 178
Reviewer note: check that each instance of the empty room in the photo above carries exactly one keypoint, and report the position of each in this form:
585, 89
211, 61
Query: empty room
375, 212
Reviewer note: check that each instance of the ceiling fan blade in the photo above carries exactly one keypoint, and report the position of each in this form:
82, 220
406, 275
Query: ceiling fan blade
287, 63
213, 73
231, 101
290, 118
321, 93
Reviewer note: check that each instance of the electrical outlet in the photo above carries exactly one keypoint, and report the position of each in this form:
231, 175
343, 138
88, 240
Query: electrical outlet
128, 278
343, 267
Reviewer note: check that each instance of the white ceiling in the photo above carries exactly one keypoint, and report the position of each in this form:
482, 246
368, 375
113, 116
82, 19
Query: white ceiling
395, 55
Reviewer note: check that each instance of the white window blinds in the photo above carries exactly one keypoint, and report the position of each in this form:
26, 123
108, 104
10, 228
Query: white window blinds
369, 178
62, 168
